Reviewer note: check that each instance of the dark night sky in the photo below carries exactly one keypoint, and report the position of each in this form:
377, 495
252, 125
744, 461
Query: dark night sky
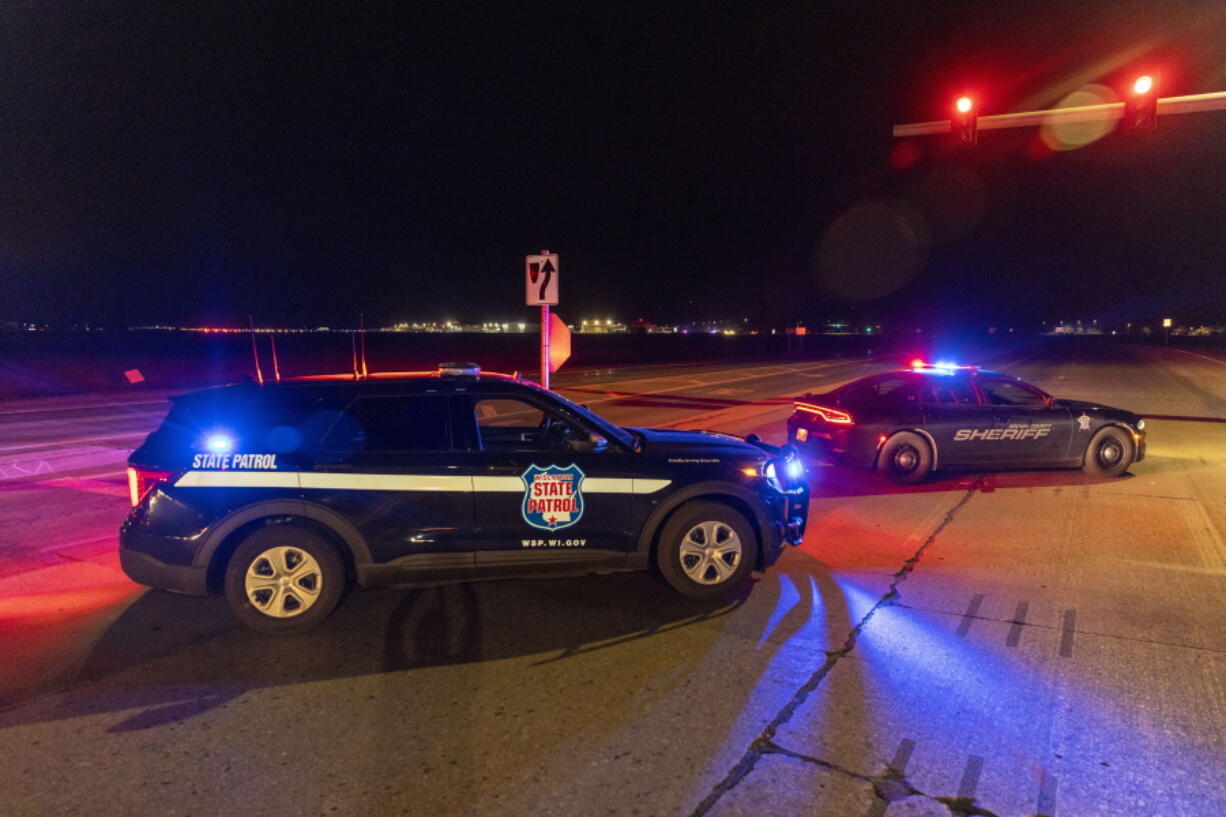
195, 162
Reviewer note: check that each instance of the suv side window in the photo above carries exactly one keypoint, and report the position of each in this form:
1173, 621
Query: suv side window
398, 424
511, 424
1009, 393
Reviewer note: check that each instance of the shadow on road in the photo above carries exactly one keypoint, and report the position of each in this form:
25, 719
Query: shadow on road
168, 657
835, 481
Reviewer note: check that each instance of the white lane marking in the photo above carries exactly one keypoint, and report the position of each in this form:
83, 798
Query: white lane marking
1198, 354
775, 372
88, 407
54, 445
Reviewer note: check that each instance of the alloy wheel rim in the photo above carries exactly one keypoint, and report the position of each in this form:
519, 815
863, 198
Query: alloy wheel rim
283, 582
710, 552
1109, 453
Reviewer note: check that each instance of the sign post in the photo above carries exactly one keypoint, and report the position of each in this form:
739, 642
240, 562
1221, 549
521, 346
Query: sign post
541, 289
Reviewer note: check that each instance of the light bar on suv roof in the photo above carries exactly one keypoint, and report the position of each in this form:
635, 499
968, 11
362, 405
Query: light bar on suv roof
465, 369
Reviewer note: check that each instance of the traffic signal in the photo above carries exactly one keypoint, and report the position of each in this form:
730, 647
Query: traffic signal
964, 124
1141, 105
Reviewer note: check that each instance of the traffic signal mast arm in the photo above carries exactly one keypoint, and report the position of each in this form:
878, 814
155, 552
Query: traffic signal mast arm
1214, 101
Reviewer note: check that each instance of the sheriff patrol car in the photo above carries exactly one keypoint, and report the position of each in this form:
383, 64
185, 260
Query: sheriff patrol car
908, 423
280, 495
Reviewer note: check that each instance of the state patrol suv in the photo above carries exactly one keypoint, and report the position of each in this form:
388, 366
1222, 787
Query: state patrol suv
281, 495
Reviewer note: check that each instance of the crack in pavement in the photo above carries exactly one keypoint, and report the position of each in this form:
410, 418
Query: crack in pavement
888, 786
764, 742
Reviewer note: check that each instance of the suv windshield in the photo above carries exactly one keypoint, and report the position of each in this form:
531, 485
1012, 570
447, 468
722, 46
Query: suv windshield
608, 429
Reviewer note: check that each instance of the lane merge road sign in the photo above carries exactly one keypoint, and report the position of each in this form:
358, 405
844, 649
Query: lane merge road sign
541, 280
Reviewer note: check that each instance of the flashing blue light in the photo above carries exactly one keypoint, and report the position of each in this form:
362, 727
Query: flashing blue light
219, 444
796, 469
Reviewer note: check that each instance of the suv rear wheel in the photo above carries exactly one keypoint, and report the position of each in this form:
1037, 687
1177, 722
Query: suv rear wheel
284, 579
706, 549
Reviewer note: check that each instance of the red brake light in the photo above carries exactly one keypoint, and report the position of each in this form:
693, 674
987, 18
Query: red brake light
141, 481
826, 413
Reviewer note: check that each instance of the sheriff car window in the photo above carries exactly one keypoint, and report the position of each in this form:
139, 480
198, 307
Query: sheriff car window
391, 424
1009, 393
894, 389
950, 391
510, 424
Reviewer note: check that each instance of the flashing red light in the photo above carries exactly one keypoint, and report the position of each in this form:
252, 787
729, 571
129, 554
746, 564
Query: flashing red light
1143, 85
826, 413
141, 481
918, 363
964, 122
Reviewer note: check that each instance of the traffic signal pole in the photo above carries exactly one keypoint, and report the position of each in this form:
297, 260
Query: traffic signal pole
1194, 103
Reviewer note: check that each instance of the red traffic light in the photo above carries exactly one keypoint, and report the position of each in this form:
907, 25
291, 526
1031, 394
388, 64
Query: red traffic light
1141, 106
964, 124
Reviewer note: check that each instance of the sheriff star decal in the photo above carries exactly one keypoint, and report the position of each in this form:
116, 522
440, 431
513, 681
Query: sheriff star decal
553, 496
1083, 422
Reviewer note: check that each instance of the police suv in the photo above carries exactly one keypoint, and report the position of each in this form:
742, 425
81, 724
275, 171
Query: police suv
281, 495
908, 423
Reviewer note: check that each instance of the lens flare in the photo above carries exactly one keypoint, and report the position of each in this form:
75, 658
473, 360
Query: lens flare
219, 444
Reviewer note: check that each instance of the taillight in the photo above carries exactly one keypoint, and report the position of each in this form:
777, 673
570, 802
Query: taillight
826, 413
141, 481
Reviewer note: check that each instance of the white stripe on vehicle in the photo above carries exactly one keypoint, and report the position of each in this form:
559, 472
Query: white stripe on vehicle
238, 479
400, 482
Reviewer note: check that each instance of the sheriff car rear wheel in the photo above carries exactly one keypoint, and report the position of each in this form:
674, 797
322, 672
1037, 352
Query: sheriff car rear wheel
905, 458
1109, 454
706, 550
284, 579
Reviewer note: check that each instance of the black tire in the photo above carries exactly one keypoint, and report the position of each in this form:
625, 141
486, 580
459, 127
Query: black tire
691, 526
286, 606
905, 459
1109, 453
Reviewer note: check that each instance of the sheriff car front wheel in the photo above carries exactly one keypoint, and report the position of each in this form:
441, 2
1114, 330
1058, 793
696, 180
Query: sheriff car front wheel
284, 579
1109, 454
706, 550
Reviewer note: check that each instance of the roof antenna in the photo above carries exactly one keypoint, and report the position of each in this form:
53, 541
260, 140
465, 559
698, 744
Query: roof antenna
255, 353
276, 370
353, 346
362, 325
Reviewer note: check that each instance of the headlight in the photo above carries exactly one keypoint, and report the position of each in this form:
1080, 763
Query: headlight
1140, 425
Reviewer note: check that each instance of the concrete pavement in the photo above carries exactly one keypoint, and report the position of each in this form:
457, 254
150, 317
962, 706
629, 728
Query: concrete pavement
1022, 643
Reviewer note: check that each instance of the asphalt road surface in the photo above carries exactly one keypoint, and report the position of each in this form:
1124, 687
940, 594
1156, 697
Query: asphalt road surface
1018, 643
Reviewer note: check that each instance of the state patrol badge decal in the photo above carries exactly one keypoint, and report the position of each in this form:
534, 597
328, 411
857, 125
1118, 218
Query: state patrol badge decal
553, 496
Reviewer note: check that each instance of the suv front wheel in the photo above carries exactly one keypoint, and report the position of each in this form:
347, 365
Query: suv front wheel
706, 549
284, 579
